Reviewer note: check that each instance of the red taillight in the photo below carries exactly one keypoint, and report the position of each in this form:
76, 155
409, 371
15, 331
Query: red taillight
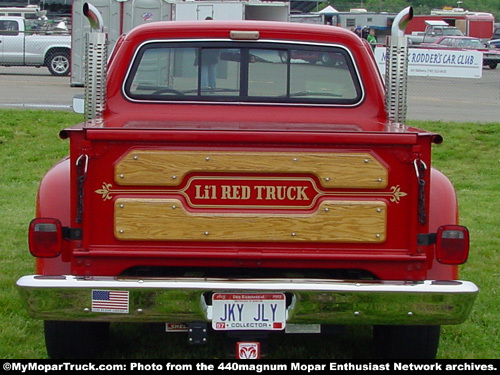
452, 244
45, 238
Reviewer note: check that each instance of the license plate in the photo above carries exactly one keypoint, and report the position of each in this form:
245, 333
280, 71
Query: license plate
248, 311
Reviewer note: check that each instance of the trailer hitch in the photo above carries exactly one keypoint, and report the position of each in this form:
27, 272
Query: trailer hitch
197, 333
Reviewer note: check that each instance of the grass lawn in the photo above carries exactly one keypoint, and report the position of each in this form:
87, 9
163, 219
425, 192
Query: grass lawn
469, 156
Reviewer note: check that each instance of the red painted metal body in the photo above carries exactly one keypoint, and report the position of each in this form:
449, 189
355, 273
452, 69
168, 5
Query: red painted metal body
126, 125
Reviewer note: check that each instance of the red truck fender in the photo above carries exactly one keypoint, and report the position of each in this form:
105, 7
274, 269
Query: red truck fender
443, 210
53, 201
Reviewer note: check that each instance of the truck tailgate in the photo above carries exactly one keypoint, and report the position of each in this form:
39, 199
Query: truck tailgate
342, 200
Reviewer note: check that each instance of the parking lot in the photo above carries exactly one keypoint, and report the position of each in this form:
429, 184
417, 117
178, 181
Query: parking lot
444, 99
455, 99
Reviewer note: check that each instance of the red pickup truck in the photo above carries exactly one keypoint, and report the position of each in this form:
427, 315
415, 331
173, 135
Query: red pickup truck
232, 185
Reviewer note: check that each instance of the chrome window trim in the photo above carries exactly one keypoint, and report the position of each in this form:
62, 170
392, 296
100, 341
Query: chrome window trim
239, 102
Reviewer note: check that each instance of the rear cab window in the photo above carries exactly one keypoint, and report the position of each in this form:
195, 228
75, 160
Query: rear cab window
243, 72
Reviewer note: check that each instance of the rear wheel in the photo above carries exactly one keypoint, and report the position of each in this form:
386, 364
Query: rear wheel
406, 342
58, 62
75, 339
493, 65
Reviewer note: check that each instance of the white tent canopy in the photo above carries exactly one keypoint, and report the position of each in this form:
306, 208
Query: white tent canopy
328, 10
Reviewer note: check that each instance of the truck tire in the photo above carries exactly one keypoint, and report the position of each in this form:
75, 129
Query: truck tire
493, 65
58, 62
406, 342
75, 339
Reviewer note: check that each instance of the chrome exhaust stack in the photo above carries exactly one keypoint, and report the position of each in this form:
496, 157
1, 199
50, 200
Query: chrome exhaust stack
396, 73
96, 43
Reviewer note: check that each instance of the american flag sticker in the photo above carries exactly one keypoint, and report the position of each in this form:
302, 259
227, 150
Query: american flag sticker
111, 301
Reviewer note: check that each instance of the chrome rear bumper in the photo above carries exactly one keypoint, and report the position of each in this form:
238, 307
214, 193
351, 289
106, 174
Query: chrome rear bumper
183, 300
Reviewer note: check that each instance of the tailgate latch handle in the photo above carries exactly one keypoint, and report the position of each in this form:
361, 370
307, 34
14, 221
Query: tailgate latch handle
420, 169
82, 164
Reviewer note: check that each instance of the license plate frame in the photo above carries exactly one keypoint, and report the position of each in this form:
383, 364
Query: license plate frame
248, 311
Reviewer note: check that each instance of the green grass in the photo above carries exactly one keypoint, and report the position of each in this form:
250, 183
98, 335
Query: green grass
29, 145
469, 156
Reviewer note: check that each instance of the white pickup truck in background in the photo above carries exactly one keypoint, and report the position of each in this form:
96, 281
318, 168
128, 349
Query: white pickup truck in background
31, 46
433, 31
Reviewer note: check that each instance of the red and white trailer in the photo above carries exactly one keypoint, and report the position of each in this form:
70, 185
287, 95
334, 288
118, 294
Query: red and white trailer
476, 24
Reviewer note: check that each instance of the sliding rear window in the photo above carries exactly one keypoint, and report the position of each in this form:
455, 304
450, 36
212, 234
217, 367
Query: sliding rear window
231, 72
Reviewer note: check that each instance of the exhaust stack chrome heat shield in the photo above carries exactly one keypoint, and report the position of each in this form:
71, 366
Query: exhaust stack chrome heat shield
396, 74
95, 64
